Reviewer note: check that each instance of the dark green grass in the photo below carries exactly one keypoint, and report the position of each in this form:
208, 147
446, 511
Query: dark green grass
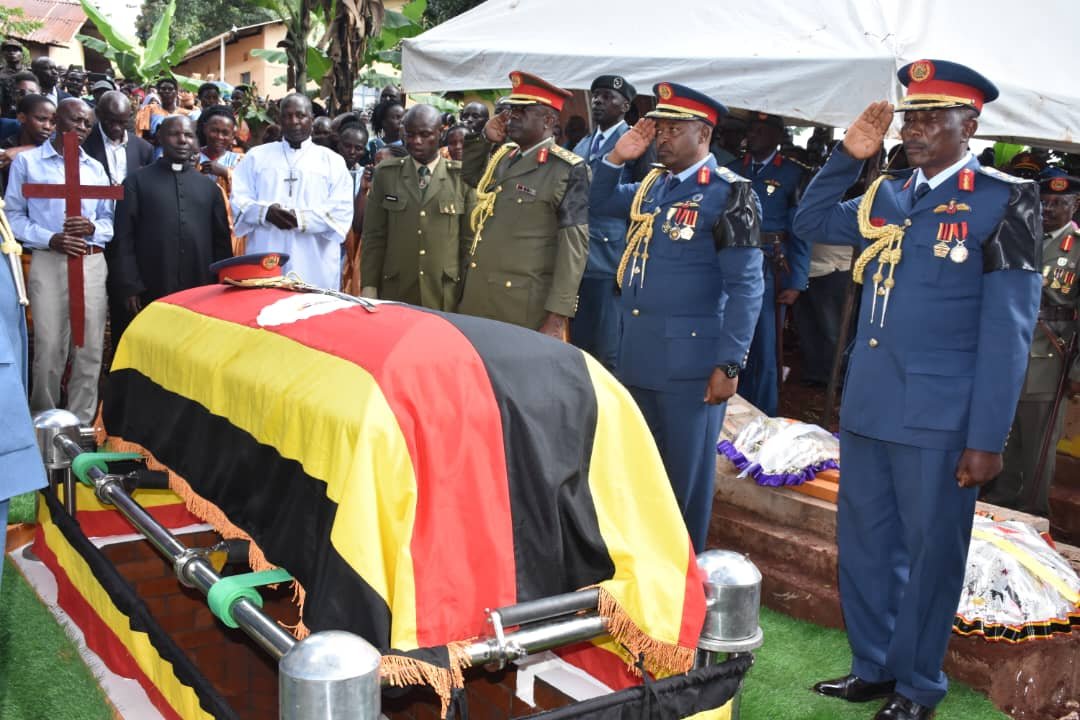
42, 676
798, 654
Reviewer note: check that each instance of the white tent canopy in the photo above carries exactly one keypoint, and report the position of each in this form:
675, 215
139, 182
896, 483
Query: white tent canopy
821, 62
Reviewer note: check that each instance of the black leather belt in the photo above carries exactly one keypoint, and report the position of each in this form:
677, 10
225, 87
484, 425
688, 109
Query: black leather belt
768, 238
1057, 313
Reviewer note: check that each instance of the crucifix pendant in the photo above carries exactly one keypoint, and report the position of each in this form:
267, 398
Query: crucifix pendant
290, 180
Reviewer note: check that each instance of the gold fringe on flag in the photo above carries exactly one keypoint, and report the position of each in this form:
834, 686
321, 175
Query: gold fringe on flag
660, 658
404, 671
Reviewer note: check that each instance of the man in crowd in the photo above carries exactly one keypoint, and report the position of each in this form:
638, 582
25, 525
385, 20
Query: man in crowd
935, 371
295, 197
22, 84
48, 77
208, 96
1040, 419
322, 132
778, 182
99, 88
40, 224
37, 119
595, 327
168, 92
474, 116
531, 238
682, 346
120, 152
416, 225
110, 143
170, 224
75, 81
12, 52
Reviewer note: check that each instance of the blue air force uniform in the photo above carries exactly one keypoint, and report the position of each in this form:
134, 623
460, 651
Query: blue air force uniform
20, 457
778, 184
936, 367
594, 328
688, 304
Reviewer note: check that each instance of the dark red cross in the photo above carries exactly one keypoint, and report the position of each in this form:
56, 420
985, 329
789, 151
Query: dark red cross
73, 193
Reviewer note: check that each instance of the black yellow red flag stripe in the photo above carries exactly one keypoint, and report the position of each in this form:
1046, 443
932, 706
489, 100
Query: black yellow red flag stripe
411, 468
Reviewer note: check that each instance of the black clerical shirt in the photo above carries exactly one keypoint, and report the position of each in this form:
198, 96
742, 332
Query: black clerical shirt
169, 227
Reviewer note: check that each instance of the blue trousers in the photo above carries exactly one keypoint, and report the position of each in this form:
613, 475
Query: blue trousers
758, 382
903, 528
686, 431
594, 328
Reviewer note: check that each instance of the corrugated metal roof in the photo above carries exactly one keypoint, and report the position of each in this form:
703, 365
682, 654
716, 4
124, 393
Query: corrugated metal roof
62, 20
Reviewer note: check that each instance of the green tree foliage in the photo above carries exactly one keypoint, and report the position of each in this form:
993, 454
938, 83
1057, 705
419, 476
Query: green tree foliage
439, 11
199, 20
13, 23
143, 62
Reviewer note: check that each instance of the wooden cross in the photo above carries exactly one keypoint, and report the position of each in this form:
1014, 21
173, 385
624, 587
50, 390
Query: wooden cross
73, 193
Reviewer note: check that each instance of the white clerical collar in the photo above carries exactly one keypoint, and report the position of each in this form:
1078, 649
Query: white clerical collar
110, 141
942, 176
303, 146
176, 167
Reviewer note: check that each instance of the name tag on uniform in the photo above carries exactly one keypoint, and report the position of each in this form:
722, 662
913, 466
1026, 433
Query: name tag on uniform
527, 190
391, 198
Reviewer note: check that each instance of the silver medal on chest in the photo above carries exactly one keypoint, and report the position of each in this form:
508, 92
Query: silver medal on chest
958, 254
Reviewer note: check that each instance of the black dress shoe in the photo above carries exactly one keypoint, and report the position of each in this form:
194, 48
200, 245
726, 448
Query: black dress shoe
901, 708
855, 689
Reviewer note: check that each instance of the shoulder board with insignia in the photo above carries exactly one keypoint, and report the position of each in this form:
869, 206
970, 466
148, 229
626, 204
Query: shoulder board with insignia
565, 155
1005, 177
727, 175
798, 163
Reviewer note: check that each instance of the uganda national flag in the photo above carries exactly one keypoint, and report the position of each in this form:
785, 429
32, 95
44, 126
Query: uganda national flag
413, 468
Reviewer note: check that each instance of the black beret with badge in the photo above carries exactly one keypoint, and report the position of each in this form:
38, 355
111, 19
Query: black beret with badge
614, 82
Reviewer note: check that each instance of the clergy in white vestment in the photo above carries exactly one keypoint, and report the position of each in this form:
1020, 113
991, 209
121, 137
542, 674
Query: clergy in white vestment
295, 197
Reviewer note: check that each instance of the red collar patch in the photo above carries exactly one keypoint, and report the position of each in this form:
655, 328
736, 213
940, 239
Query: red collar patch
704, 174
967, 180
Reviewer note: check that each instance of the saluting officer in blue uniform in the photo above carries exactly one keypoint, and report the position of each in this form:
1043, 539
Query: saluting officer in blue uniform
778, 182
593, 328
690, 283
950, 272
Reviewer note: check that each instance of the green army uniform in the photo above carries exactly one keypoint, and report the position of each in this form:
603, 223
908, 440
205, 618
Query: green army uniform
413, 239
1053, 335
529, 256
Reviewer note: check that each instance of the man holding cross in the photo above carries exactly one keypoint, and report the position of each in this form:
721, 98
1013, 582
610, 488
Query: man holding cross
67, 222
295, 197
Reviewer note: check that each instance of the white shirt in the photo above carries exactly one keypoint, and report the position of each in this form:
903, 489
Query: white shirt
603, 135
942, 176
116, 155
314, 183
35, 221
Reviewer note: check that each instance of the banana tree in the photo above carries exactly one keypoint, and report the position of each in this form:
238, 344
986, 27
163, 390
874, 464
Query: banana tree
131, 59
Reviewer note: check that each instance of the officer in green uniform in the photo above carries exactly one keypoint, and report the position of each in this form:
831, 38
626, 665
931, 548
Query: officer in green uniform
1017, 485
416, 222
530, 227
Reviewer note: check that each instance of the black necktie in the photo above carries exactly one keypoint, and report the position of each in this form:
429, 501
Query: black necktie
920, 191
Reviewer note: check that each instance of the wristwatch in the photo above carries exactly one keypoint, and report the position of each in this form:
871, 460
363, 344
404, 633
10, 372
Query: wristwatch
731, 369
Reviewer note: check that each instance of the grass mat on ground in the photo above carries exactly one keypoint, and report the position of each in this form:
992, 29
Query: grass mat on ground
42, 675
23, 508
797, 654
